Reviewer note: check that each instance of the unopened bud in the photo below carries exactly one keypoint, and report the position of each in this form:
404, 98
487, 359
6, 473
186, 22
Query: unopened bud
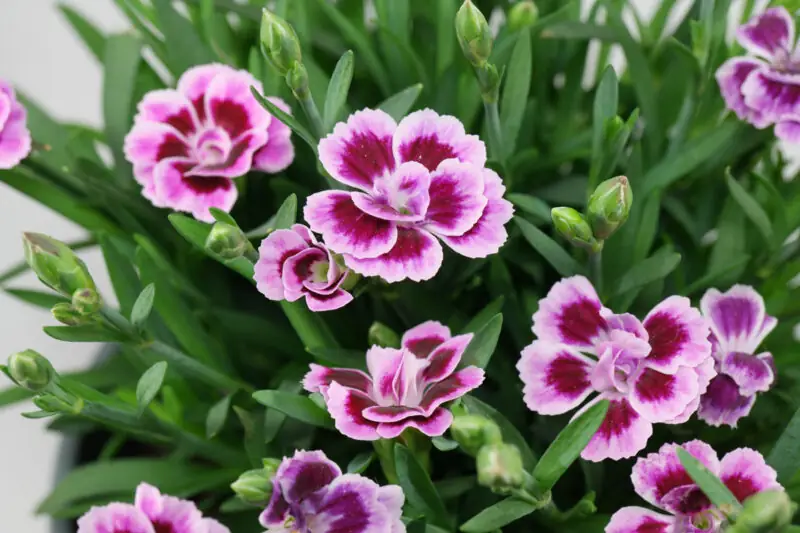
523, 14
472, 432
68, 315
227, 241
86, 301
254, 486
574, 227
474, 34
30, 370
609, 206
500, 467
383, 335
280, 44
765, 512
55, 264
297, 80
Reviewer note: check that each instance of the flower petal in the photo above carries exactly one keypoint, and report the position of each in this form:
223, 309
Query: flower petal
359, 151
658, 474
769, 34
230, 104
731, 76
240, 157
383, 364
445, 358
429, 138
489, 233
346, 406
639, 520
771, 95
393, 499
421, 340
278, 153
194, 195
678, 335
350, 505
406, 383
328, 302
390, 413
556, 377
319, 378
402, 195
213, 526
115, 518
705, 373
416, 255
750, 373
15, 138
304, 474
737, 318
168, 107
722, 402
788, 129
456, 198
147, 144
433, 426
194, 83
659, 397
274, 252
625, 322
453, 387
745, 473
622, 434
570, 314
167, 513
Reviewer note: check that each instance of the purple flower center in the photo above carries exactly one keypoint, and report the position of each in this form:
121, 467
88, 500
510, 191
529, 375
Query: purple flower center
212, 148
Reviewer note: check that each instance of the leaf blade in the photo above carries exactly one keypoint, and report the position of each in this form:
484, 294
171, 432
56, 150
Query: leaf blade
295, 406
149, 384
338, 88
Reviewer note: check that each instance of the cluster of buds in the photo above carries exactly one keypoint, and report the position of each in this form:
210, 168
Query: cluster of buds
608, 209
255, 486
476, 40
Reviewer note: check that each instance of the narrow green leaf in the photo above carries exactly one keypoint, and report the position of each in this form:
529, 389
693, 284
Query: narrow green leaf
339, 357
45, 300
785, 455
360, 463
149, 385
295, 406
484, 315
443, 444
731, 243
90, 333
750, 206
310, 327
143, 305
192, 230
398, 105
92, 37
510, 433
418, 487
338, 89
123, 276
286, 118
606, 101
654, 268
483, 344
222, 216
554, 254
215, 420
710, 484
515, 91
568, 445
120, 65
445, 34
185, 48
287, 213
497, 516
36, 415
532, 205
711, 279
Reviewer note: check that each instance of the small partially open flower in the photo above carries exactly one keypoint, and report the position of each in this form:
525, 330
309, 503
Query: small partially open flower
226, 241
254, 486
15, 138
574, 227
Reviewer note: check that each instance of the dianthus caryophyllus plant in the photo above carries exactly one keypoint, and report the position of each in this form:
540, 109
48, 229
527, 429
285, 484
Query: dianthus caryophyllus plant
386, 266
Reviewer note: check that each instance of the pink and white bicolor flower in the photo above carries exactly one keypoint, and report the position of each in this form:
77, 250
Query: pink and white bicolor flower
763, 88
653, 371
405, 388
151, 512
292, 265
311, 495
660, 479
739, 323
188, 143
15, 138
414, 182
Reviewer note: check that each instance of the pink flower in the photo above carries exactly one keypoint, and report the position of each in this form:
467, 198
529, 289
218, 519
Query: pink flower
292, 265
660, 479
15, 139
152, 512
739, 323
188, 143
311, 495
415, 181
405, 388
652, 371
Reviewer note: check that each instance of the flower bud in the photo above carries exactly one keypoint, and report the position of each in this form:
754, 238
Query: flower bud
765, 512
500, 467
297, 80
383, 335
574, 227
68, 315
280, 44
227, 241
86, 301
609, 206
55, 264
523, 14
254, 486
472, 432
473, 34
31, 370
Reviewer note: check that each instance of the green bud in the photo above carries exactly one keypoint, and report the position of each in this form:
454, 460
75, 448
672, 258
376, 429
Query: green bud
473, 34
523, 14
254, 486
770, 511
472, 432
500, 467
31, 370
55, 264
68, 315
227, 241
383, 335
609, 206
52, 404
297, 80
271, 466
574, 227
280, 44
86, 301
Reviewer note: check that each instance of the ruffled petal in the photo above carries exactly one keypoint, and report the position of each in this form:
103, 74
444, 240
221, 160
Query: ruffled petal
445, 358
171, 108
278, 153
345, 228
346, 407
788, 129
304, 474
453, 387
393, 499
168, 513
273, 253
383, 364
429, 138
319, 378
433, 426
705, 373
214, 526
750, 373
195, 195
639, 520
737, 318
416, 255
722, 403
456, 198
15, 138
660, 397
731, 76
359, 151
678, 335
230, 105
570, 314
622, 434
328, 302
421, 340
350, 505
769, 35
194, 83
115, 518
147, 144
239, 158
557, 378
771, 95
401, 196
745, 473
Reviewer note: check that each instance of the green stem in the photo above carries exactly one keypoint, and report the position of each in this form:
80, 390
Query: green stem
493, 126
314, 118
596, 270
384, 449
420, 446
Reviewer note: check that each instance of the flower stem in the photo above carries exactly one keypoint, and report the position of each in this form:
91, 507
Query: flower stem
495, 133
596, 270
384, 449
314, 118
